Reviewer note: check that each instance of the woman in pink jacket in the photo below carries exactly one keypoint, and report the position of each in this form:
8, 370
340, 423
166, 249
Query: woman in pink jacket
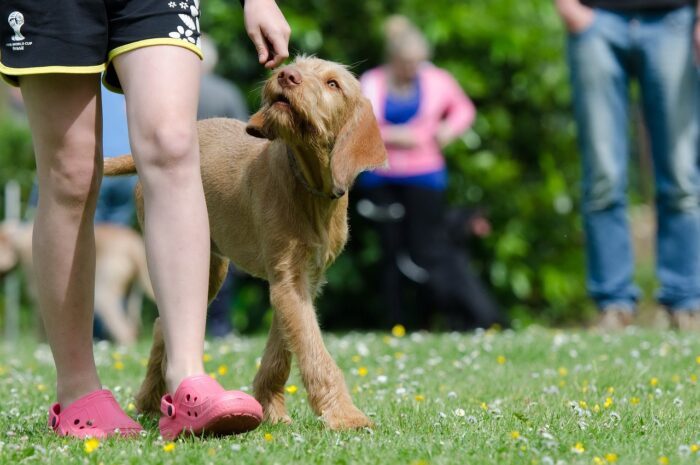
420, 109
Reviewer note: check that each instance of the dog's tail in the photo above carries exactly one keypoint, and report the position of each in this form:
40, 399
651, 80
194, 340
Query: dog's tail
117, 166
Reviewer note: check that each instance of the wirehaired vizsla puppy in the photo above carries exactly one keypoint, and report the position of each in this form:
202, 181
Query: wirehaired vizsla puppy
277, 206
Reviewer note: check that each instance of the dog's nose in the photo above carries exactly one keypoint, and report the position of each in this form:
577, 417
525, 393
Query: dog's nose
289, 77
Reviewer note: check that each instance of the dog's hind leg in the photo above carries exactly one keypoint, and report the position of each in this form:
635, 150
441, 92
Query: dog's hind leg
275, 366
324, 382
218, 268
153, 386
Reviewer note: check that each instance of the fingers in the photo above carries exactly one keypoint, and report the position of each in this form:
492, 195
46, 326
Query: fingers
278, 43
260, 46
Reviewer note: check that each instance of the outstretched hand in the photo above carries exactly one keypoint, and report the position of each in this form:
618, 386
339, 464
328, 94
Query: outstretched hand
269, 31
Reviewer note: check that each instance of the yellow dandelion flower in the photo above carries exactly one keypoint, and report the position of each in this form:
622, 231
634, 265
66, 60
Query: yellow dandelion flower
608, 402
694, 447
222, 370
598, 461
596, 408
419, 397
131, 407
362, 371
119, 365
693, 378
578, 448
654, 382
515, 435
169, 447
41, 387
663, 460
697, 359
634, 400
611, 457
398, 331
291, 389
206, 358
268, 437
583, 404
501, 360
356, 358
484, 406
563, 371
611, 390
91, 445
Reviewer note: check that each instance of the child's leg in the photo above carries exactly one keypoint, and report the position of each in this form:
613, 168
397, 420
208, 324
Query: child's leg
65, 118
161, 84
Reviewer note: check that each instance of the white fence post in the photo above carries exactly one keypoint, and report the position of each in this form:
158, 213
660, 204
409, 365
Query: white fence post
12, 280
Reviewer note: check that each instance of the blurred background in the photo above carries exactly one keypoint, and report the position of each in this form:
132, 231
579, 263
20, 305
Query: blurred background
518, 165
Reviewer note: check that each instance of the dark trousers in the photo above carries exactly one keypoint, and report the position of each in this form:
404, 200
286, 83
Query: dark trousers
450, 286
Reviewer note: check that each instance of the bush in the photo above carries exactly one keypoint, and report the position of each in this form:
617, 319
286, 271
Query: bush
520, 160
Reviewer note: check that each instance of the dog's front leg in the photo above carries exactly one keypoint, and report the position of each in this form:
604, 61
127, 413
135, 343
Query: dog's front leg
275, 366
324, 382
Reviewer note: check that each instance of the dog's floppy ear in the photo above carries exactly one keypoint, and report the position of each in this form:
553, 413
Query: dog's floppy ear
358, 147
256, 126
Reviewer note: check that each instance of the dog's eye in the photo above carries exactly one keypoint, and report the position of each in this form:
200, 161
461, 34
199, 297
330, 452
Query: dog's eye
333, 83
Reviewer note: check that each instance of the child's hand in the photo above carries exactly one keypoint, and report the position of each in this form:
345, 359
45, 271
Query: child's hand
269, 31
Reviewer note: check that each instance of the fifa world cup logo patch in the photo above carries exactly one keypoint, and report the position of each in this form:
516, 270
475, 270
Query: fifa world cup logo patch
16, 20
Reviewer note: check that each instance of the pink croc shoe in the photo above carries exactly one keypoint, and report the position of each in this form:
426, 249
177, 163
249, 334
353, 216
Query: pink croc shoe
96, 415
201, 405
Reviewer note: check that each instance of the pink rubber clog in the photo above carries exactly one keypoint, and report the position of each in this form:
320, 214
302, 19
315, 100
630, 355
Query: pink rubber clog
96, 415
201, 405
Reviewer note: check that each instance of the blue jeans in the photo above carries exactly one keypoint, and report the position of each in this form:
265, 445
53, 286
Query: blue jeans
656, 49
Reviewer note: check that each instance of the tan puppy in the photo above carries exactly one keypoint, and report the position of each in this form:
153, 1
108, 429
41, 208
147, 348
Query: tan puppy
120, 262
278, 210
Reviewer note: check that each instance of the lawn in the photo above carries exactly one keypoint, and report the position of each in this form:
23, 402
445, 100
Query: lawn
535, 396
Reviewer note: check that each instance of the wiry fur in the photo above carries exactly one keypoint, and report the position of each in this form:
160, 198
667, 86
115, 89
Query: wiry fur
270, 225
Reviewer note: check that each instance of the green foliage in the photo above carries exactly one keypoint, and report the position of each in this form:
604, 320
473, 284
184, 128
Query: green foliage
16, 156
519, 161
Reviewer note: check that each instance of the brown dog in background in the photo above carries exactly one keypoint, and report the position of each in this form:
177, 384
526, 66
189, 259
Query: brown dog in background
120, 274
278, 210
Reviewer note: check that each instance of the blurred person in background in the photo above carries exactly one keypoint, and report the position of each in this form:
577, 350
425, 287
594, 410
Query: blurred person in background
653, 41
420, 109
219, 97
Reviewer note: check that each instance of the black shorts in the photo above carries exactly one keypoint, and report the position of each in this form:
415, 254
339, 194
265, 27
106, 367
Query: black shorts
84, 36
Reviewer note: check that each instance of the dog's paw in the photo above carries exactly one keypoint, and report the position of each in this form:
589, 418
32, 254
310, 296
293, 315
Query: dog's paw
346, 418
275, 411
275, 418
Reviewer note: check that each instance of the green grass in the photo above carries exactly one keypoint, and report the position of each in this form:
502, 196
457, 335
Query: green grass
530, 397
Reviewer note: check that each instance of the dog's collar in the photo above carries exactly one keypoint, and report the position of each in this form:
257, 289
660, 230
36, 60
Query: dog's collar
300, 177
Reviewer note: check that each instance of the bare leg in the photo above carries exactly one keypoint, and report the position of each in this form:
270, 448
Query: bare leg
161, 85
65, 118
